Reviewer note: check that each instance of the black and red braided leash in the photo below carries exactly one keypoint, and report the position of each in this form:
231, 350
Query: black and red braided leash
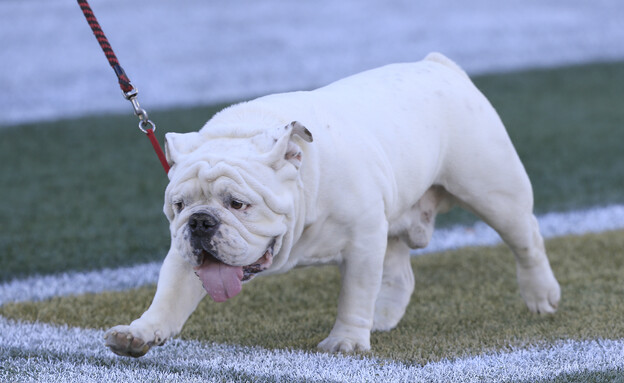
129, 91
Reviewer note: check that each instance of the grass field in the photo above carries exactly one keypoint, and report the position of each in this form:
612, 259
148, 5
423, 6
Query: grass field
465, 302
87, 194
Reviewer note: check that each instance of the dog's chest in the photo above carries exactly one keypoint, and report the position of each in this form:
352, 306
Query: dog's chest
320, 243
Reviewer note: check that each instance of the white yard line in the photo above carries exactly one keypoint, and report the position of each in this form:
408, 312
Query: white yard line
41, 352
552, 225
75, 283
203, 52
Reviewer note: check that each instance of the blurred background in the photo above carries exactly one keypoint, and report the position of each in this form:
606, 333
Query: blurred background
196, 52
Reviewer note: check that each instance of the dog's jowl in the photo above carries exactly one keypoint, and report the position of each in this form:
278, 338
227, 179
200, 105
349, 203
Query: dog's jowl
353, 174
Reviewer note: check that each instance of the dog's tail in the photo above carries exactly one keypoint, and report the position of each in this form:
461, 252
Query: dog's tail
447, 62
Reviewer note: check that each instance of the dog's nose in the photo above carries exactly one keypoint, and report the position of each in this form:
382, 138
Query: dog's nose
202, 223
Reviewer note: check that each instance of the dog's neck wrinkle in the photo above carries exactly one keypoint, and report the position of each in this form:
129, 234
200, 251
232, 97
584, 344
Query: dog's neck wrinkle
305, 214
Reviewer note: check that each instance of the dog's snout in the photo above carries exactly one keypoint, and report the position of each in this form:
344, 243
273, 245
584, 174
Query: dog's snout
202, 223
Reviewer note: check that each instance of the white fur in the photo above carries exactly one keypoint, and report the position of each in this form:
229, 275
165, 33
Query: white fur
391, 148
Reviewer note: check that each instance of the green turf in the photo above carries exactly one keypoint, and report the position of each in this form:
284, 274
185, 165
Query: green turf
87, 193
83, 194
465, 302
568, 128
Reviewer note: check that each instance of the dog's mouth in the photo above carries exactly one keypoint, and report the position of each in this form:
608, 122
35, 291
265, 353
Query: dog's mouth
222, 281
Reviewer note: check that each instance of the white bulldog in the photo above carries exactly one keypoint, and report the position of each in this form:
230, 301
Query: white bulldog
251, 194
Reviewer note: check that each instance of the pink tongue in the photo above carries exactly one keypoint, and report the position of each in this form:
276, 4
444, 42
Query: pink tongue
221, 281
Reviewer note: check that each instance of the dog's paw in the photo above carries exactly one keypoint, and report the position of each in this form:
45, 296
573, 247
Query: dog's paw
540, 289
126, 341
341, 344
387, 315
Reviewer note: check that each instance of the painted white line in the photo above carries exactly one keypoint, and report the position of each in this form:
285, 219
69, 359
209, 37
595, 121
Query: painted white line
42, 352
76, 283
594, 220
40, 287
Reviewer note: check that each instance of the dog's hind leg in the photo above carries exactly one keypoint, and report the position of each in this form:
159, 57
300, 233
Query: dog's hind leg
177, 295
519, 229
498, 190
396, 287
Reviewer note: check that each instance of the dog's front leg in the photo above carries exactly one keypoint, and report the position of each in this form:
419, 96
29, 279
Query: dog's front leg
361, 272
177, 295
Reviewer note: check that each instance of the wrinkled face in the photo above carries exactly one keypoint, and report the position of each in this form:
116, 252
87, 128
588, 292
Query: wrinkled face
229, 202
214, 212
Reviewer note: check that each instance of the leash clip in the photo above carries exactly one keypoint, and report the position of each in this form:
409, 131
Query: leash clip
129, 91
145, 122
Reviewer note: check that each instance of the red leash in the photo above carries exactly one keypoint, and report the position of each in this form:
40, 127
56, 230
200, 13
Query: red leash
129, 91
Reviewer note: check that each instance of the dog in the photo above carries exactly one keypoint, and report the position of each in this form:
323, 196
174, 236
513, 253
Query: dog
354, 174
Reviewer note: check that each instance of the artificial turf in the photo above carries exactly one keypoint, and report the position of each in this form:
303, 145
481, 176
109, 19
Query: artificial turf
86, 193
465, 302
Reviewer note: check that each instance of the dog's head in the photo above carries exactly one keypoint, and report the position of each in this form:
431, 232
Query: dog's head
230, 199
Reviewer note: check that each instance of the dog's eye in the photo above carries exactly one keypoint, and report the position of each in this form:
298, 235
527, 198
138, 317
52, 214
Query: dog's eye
237, 205
178, 206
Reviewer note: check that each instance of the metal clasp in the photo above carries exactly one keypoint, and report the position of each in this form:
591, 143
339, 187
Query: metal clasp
145, 122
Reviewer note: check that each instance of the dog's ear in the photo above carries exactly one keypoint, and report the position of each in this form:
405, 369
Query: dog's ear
286, 148
178, 145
